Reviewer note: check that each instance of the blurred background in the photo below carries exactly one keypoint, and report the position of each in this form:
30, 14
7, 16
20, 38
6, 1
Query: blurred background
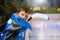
44, 6
42, 29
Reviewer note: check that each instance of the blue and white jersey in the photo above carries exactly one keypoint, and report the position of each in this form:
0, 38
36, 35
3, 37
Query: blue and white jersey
22, 23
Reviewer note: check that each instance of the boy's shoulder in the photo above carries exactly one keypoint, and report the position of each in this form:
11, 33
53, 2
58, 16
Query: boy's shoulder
14, 15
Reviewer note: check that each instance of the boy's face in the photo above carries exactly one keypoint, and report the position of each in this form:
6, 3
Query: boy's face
23, 15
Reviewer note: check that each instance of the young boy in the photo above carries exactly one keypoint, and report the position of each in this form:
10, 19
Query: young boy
19, 19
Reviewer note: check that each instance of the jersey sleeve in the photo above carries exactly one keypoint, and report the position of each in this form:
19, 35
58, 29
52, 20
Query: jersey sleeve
22, 23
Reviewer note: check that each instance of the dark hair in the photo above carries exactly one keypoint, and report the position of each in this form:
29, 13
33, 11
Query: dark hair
22, 9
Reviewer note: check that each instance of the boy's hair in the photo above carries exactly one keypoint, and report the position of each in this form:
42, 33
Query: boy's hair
22, 9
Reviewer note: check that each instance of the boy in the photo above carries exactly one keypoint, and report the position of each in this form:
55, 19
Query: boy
19, 19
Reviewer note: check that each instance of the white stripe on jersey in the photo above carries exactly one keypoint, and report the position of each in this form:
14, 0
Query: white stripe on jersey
9, 21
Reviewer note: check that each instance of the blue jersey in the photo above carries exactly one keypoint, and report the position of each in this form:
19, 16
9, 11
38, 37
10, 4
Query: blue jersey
22, 23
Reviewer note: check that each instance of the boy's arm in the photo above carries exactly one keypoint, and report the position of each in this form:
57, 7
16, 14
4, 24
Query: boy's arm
22, 23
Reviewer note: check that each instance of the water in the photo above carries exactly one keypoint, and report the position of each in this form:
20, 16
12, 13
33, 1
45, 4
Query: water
45, 30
